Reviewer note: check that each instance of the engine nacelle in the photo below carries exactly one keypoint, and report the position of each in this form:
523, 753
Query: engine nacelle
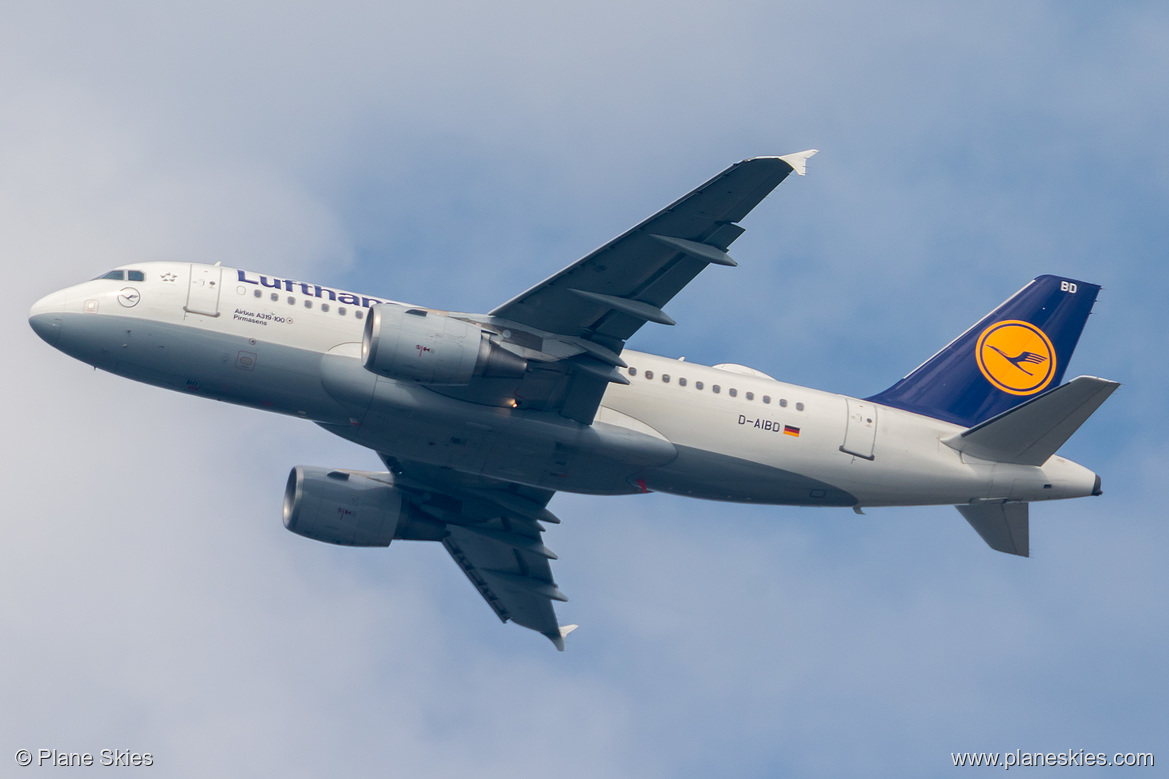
411, 344
340, 507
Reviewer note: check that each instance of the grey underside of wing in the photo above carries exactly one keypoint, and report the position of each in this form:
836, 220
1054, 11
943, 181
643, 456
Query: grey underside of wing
494, 535
606, 296
517, 584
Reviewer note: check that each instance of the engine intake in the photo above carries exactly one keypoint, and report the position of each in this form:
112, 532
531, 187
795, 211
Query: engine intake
352, 508
415, 345
341, 507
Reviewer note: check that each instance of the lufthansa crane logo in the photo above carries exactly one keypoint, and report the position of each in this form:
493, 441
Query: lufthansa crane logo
129, 297
1016, 356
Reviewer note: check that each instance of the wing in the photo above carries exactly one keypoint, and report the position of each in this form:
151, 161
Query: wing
594, 305
492, 530
571, 329
607, 295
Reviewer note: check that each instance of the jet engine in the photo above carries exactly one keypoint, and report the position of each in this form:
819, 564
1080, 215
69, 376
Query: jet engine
341, 507
353, 508
416, 345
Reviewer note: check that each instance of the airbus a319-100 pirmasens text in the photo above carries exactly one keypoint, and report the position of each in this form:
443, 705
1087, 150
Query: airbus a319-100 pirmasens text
481, 418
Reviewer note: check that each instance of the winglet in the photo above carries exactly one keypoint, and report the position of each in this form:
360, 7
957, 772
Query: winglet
564, 631
799, 160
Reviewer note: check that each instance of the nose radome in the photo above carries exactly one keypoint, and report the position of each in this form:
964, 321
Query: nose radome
52, 303
45, 317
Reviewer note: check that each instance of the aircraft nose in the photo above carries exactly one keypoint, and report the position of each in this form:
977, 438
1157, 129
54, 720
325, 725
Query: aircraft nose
45, 317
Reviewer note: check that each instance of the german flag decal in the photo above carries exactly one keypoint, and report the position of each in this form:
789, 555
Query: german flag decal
789, 430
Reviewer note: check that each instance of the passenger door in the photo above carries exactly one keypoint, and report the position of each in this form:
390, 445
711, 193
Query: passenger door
203, 294
860, 434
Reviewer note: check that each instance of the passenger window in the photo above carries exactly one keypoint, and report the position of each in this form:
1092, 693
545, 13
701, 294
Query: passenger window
799, 407
733, 392
291, 300
308, 303
714, 388
681, 382
275, 296
325, 307
698, 385
135, 275
116, 275
750, 396
649, 374
766, 398
358, 313
341, 310
665, 378
633, 371
783, 402
259, 293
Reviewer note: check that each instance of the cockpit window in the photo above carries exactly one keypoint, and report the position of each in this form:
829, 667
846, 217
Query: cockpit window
125, 275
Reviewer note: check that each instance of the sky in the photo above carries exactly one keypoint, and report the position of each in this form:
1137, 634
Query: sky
453, 154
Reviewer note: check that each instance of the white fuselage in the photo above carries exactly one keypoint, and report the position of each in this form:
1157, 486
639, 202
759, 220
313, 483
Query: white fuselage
293, 348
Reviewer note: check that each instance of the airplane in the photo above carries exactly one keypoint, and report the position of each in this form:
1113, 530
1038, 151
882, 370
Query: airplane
479, 419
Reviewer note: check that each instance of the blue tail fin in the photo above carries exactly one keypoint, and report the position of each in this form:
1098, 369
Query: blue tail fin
1015, 352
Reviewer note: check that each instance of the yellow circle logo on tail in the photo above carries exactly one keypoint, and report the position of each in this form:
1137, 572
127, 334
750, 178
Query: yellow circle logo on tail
1015, 356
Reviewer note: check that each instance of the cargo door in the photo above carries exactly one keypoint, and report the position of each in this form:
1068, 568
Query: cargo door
860, 433
203, 294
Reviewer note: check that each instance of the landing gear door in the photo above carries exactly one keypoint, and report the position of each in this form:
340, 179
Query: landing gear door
203, 295
861, 431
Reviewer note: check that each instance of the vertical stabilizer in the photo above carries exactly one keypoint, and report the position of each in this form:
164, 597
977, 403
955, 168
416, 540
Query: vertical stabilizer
1015, 352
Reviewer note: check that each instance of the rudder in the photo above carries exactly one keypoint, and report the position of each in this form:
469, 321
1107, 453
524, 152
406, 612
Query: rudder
1012, 354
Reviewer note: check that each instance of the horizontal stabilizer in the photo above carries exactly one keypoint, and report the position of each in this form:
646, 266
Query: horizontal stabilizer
1030, 433
1003, 526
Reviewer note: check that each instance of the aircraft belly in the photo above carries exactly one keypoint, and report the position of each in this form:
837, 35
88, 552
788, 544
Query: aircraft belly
703, 474
506, 453
204, 362
542, 449
736, 450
